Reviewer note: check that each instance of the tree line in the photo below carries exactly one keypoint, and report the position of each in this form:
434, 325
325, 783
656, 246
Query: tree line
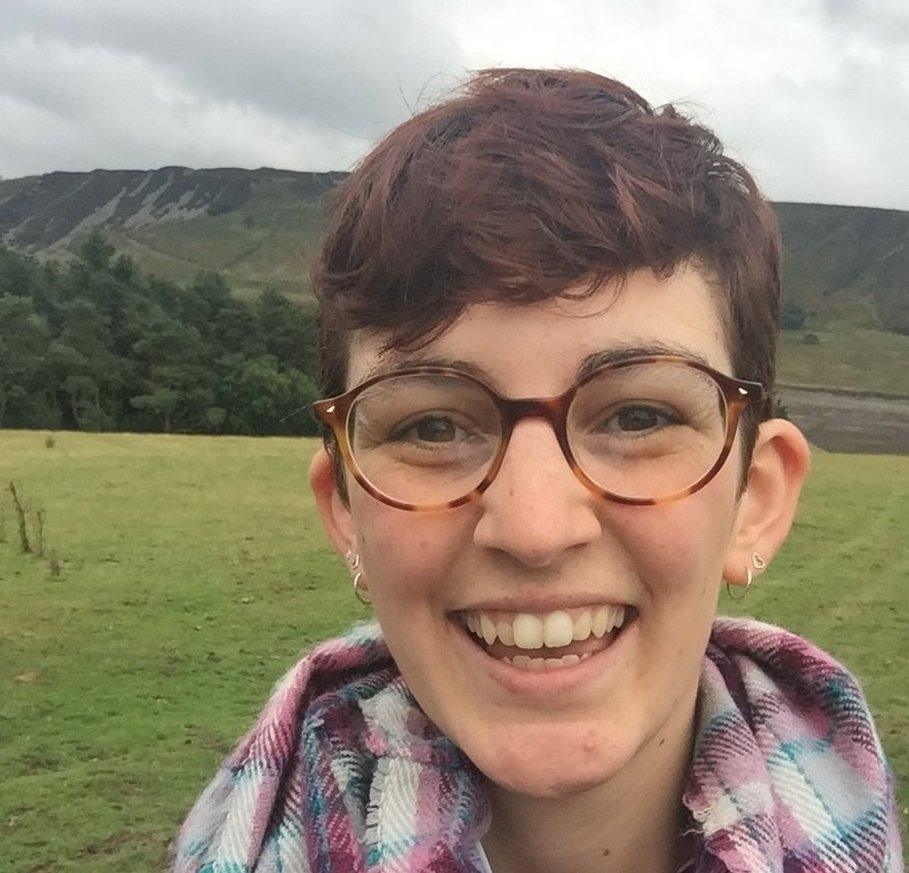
98, 346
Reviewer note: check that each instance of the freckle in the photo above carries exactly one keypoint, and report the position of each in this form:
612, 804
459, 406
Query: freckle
605, 853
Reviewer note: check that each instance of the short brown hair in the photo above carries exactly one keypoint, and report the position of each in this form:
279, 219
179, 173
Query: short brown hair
526, 183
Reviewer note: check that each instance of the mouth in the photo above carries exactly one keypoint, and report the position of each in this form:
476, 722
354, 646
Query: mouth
561, 639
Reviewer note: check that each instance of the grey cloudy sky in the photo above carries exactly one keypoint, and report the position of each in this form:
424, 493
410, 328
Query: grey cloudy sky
812, 94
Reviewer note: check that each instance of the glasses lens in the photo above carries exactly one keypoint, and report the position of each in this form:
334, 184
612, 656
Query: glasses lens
647, 430
424, 439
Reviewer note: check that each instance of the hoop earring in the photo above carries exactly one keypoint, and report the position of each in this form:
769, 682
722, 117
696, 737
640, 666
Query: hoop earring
359, 590
759, 564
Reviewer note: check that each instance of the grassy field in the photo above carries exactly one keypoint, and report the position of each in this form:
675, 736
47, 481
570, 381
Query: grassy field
846, 359
194, 570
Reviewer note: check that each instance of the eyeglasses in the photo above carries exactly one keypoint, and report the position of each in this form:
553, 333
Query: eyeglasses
641, 431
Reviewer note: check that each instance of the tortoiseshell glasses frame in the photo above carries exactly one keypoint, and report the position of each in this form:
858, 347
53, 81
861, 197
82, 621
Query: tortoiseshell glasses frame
737, 393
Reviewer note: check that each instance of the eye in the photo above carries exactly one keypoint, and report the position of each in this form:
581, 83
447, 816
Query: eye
638, 418
429, 429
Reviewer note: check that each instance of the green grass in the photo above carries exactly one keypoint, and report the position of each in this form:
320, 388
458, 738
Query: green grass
847, 360
195, 569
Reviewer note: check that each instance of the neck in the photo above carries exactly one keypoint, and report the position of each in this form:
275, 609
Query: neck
631, 822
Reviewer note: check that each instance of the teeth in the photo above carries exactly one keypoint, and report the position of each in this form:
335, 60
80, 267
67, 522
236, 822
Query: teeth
601, 622
558, 630
552, 630
528, 631
488, 629
522, 662
582, 625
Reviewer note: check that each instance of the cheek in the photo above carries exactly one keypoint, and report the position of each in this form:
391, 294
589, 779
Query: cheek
678, 546
406, 555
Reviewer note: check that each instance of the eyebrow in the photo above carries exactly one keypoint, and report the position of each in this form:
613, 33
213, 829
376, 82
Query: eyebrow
599, 358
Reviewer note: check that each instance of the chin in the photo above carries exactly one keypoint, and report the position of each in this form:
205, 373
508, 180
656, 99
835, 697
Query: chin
549, 762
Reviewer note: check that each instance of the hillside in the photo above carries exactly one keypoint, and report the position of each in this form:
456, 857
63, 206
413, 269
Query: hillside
846, 266
255, 226
847, 263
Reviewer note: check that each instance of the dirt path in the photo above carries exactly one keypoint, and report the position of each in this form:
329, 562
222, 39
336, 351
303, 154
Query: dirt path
850, 423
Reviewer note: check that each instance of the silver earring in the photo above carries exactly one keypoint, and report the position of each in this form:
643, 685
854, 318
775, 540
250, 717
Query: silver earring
758, 564
359, 590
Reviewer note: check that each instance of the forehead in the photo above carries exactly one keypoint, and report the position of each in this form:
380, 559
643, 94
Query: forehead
542, 347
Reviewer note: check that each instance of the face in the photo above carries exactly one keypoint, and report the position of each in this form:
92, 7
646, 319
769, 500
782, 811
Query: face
537, 541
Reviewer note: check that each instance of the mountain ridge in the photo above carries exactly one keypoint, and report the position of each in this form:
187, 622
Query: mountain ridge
843, 264
136, 199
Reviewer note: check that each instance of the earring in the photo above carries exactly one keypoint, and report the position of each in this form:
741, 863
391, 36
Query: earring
359, 590
758, 565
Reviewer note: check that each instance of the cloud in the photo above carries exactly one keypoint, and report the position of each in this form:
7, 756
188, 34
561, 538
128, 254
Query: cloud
883, 21
296, 81
91, 107
337, 62
810, 93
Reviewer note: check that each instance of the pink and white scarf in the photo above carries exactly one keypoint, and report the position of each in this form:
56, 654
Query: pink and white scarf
343, 773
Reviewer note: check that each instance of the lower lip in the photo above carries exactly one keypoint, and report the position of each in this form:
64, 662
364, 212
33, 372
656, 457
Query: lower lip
551, 681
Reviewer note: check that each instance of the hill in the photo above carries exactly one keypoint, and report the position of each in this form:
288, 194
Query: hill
848, 264
845, 265
257, 227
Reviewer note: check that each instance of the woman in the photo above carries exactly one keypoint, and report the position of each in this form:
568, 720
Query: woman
548, 323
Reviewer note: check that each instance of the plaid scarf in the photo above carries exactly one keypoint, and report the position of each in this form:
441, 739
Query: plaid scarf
343, 773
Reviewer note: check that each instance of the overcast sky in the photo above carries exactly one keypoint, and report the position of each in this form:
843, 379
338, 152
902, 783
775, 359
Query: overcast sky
813, 95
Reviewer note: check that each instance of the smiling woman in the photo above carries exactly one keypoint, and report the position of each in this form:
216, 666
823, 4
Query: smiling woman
548, 322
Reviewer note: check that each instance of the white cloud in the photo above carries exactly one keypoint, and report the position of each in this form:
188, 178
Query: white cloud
810, 93
89, 107
813, 100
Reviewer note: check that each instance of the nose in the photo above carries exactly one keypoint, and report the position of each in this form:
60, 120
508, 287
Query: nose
536, 508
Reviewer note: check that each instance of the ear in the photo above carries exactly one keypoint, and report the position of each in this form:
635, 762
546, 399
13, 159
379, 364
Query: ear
779, 465
335, 515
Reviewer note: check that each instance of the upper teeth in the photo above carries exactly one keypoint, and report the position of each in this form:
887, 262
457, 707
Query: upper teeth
552, 630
